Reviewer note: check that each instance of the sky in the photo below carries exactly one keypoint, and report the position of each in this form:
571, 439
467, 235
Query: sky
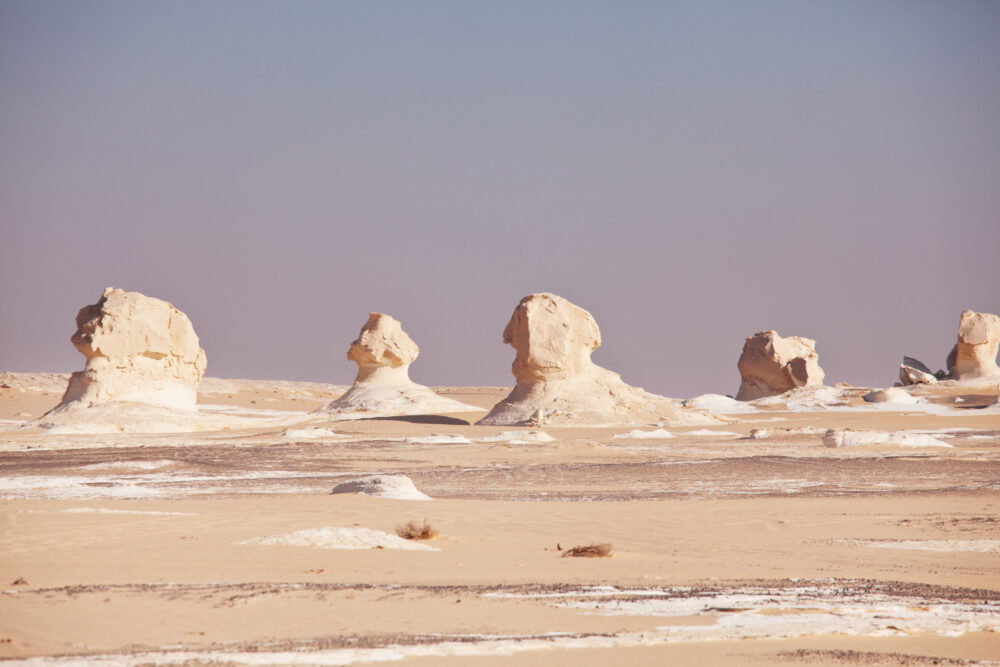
689, 172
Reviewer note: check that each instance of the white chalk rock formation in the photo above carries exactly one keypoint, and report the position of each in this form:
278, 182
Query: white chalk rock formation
383, 388
848, 437
138, 349
771, 365
914, 371
399, 487
890, 395
719, 404
337, 537
142, 373
557, 383
974, 356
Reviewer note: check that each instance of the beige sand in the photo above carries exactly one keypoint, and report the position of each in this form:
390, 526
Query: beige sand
777, 550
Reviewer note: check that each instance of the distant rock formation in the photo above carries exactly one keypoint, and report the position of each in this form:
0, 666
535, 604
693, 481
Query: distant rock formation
138, 349
383, 388
771, 365
974, 356
914, 371
557, 383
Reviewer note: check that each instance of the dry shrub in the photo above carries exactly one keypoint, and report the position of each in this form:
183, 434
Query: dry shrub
602, 550
411, 530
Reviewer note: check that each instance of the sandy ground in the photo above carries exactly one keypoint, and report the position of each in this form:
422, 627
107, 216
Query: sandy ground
139, 549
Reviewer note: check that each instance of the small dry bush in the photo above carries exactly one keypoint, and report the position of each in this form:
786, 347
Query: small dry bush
411, 530
602, 550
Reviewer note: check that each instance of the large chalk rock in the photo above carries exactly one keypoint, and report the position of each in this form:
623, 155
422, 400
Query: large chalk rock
771, 365
142, 372
557, 383
138, 349
383, 388
975, 354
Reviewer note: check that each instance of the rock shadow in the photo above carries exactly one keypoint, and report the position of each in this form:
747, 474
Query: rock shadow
423, 419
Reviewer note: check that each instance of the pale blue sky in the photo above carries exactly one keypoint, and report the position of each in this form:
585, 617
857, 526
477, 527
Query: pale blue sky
690, 172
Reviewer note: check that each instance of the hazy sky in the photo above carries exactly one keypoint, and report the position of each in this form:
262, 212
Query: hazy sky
689, 172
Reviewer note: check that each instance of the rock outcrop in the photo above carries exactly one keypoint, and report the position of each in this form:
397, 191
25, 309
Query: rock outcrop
896, 395
557, 383
974, 356
142, 372
914, 371
771, 365
383, 388
138, 349
399, 487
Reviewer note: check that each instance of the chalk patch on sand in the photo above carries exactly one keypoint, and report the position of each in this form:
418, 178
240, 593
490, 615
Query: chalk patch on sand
797, 612
138, 486
765, 433
73, 488
719, 404
310, 433
129, 465
339, 538
639, 434
101, 428
520, 437
981, 546
804, 399
249, 411
439, 439
105, 510
709, 433
845, 437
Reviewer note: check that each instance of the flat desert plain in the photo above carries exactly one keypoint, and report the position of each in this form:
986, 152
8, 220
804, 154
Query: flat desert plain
749, 542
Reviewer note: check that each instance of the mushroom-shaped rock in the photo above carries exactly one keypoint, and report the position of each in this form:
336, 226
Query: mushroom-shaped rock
383, 388
382, 349
771, 365
558, 383
138, 349
975, 354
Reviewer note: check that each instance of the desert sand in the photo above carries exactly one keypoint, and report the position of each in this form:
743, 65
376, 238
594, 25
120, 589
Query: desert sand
752, 541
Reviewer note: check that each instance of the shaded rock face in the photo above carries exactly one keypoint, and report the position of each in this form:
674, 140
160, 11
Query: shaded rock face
771, 365
138, 349
399, 487
558, 383
975, 354
383, 353
914, 371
